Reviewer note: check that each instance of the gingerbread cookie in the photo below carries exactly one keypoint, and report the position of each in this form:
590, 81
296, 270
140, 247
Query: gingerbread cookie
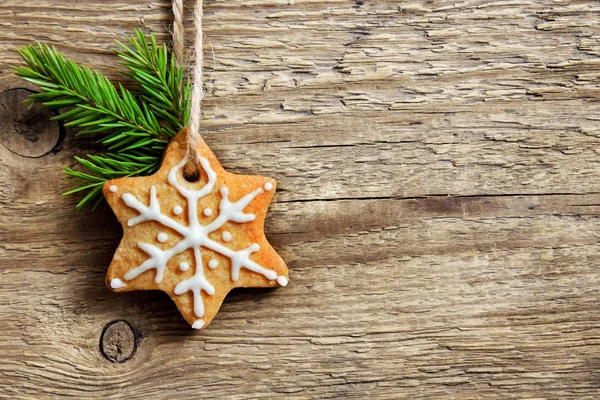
193, 240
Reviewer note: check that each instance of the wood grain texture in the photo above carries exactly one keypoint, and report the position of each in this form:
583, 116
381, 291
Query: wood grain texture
438, 206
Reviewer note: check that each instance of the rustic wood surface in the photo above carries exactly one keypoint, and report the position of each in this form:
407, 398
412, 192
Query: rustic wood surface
439, 206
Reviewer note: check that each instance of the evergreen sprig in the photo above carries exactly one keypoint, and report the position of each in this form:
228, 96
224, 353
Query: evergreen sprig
162, 82
133, 126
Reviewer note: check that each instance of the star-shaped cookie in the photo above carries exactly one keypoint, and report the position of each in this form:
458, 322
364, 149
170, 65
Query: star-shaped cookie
193, 240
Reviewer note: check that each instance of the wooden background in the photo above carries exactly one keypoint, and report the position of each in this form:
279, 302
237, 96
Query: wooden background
439, 205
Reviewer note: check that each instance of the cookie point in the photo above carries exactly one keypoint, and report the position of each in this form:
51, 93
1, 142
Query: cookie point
116, 283
282, 280
198, 324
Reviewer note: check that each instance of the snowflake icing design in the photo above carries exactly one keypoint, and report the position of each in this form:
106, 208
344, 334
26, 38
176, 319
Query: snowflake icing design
195, 236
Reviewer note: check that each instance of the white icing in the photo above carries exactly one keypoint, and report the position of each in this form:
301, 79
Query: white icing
282, 280
213, 263
195, 236
226, 236
184, 266
162, 237
116, 283
198, 324
112, 188
268, 186
237, 261
207, 212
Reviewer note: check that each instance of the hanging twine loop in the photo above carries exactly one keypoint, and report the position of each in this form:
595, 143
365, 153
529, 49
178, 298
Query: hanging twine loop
193, 132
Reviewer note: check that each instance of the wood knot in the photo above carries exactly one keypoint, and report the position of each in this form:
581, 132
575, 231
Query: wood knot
118, 341
26, 130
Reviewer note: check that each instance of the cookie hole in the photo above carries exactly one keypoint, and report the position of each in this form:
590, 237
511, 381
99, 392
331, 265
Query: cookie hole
192, 177
191, 173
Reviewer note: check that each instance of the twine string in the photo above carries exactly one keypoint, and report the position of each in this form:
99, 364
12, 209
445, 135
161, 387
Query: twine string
193, 132
178, 33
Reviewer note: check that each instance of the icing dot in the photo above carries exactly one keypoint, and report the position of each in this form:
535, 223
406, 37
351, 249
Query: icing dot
184, 266
207, 212
255, 247
213, 263
268, 186
116, 283
226, 236
162, 237
177, 210
198, 324
282, 280
112, 188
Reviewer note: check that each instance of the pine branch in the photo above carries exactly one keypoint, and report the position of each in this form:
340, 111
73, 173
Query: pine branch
102, 168
98, 106
134, 128
162, 81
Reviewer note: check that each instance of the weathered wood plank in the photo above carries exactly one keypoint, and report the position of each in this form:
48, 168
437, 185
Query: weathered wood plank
438, 206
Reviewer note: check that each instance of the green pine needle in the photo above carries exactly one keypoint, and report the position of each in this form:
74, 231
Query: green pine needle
133, 127
162, 82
